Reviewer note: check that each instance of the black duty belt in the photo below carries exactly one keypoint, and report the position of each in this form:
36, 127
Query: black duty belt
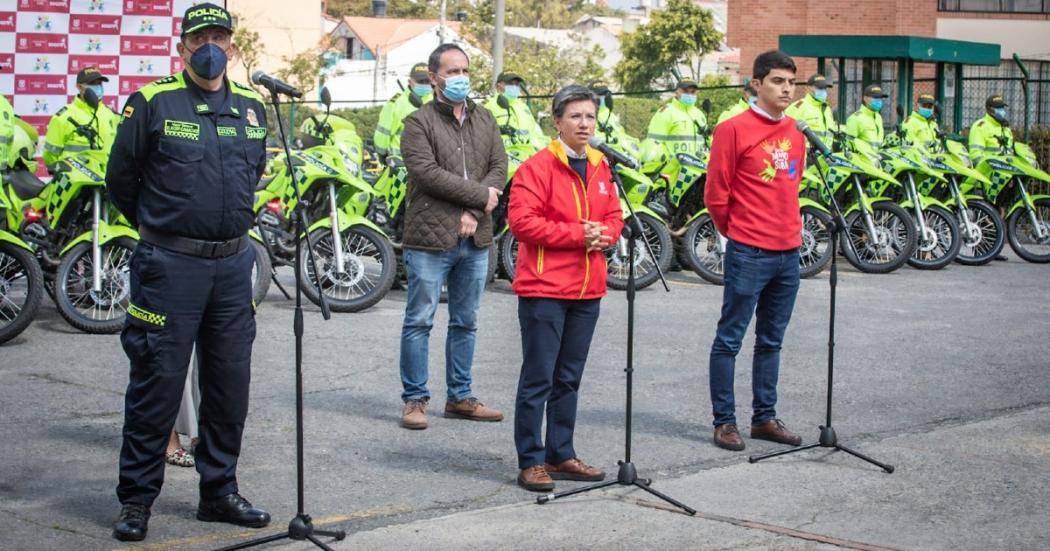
202, 248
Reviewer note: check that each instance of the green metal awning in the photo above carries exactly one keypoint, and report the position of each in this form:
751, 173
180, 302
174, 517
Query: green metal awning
914, 48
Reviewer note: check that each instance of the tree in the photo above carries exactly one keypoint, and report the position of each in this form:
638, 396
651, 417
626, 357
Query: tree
248, 49
681, 34
303, 69
544, 68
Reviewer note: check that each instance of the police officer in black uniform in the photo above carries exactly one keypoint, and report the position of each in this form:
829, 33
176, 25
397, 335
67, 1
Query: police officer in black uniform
188, 153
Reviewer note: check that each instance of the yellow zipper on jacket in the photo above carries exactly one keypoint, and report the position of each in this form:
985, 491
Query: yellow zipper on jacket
539, 260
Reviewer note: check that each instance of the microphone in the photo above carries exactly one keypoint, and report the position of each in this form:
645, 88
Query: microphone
813, 139
275, 85
614, 156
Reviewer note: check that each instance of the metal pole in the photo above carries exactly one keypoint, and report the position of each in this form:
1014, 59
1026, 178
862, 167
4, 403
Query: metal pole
1024, 90
842, 91
959, 96
441, 23
939, 92
497, 42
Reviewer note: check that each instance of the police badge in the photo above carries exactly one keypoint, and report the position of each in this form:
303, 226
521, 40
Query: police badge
252, 118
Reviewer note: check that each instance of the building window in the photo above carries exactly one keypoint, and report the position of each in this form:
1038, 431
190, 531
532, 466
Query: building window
995, 6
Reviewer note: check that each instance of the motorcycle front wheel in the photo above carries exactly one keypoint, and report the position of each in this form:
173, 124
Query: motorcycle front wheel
890, 247
21, 289
940, 245
817, 248
369, 268
702, 251
986, 238
508, 255
262, 272
78, 303
1023, 236
656, 234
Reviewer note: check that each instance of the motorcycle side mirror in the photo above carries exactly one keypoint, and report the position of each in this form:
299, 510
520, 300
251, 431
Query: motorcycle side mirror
502, 101
326, 98
91, 98
609, 101
900, 111
707, 106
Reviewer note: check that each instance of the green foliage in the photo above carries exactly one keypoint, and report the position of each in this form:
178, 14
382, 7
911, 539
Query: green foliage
409, 9
681, 34
364, 118
544, 68
249, 47
721, 98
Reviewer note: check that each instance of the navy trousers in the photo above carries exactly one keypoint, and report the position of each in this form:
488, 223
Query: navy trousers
177, 300
555, 338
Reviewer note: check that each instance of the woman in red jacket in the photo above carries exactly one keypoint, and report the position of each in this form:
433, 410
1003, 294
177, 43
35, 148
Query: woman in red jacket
564, 211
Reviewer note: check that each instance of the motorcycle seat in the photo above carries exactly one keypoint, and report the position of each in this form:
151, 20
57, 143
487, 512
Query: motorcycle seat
26, 185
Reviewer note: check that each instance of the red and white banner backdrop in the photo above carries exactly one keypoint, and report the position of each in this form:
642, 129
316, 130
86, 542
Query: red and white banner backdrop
44, 43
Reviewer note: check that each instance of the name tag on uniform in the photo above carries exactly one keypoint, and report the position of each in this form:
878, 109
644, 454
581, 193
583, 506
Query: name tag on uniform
181, 129
230, 131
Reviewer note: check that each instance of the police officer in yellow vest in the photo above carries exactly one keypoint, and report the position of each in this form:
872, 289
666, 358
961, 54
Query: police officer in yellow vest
866, 123
921, 128
679, 126
62, 136
813, 108
747, 99
387, 138
990, 134
516, 117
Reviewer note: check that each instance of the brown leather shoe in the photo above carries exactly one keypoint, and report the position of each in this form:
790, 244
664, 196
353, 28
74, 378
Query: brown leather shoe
414, 416
471, 409
535, 479
728, 437
574, 469
775, 431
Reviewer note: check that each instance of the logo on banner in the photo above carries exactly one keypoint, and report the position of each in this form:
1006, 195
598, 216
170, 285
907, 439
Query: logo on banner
97, 5
42, 64
43, 23
146, 26
145, 66
7, 24
40, 106
94, 44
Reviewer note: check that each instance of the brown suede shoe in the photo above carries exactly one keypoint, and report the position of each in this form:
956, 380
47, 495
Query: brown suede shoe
414, 416
728, 438
574, 469
535, 479
471, 409
775, 431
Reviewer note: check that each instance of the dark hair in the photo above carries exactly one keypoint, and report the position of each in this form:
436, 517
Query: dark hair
773, 59
570, 94
750, 89
434, 62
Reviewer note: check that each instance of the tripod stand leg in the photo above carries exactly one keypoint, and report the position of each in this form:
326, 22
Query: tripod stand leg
551, 497
672, 501
338, 535
757, 458
318, 543
883, 466
253, 543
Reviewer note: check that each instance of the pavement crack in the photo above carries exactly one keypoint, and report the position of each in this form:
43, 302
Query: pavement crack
45, 526
49, 378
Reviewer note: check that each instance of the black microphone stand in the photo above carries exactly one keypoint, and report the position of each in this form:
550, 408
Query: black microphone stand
828, 438
628, 474
301, 527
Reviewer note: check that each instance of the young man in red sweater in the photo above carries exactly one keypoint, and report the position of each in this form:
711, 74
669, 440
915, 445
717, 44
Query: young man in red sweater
757, 158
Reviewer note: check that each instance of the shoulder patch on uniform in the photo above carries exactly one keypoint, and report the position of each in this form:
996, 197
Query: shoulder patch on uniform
166, 84
128, 111
244, 90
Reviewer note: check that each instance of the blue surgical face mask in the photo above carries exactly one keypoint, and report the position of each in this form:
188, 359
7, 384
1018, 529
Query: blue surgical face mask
456, 88
209, 61
97, 88
821, 94
512, 91
926, 112
422, 90
687, 99
999, 112
876, 105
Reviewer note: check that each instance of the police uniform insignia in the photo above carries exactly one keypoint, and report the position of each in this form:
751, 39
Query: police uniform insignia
253, 119
202, 107
128, 111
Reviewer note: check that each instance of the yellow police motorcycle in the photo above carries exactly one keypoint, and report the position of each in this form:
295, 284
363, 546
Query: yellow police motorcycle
21, 280
355, 260
1027, 216
83, 243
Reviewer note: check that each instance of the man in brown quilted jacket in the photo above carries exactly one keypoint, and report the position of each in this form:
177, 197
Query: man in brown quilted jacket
456, 172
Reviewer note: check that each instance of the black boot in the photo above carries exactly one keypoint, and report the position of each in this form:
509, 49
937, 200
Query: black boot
234, 509
133, 523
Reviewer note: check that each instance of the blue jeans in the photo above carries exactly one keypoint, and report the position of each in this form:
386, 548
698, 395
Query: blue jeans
465, 268
765, 284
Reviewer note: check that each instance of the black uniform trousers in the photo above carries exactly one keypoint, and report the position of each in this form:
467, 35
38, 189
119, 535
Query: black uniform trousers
177, 300
555, 339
